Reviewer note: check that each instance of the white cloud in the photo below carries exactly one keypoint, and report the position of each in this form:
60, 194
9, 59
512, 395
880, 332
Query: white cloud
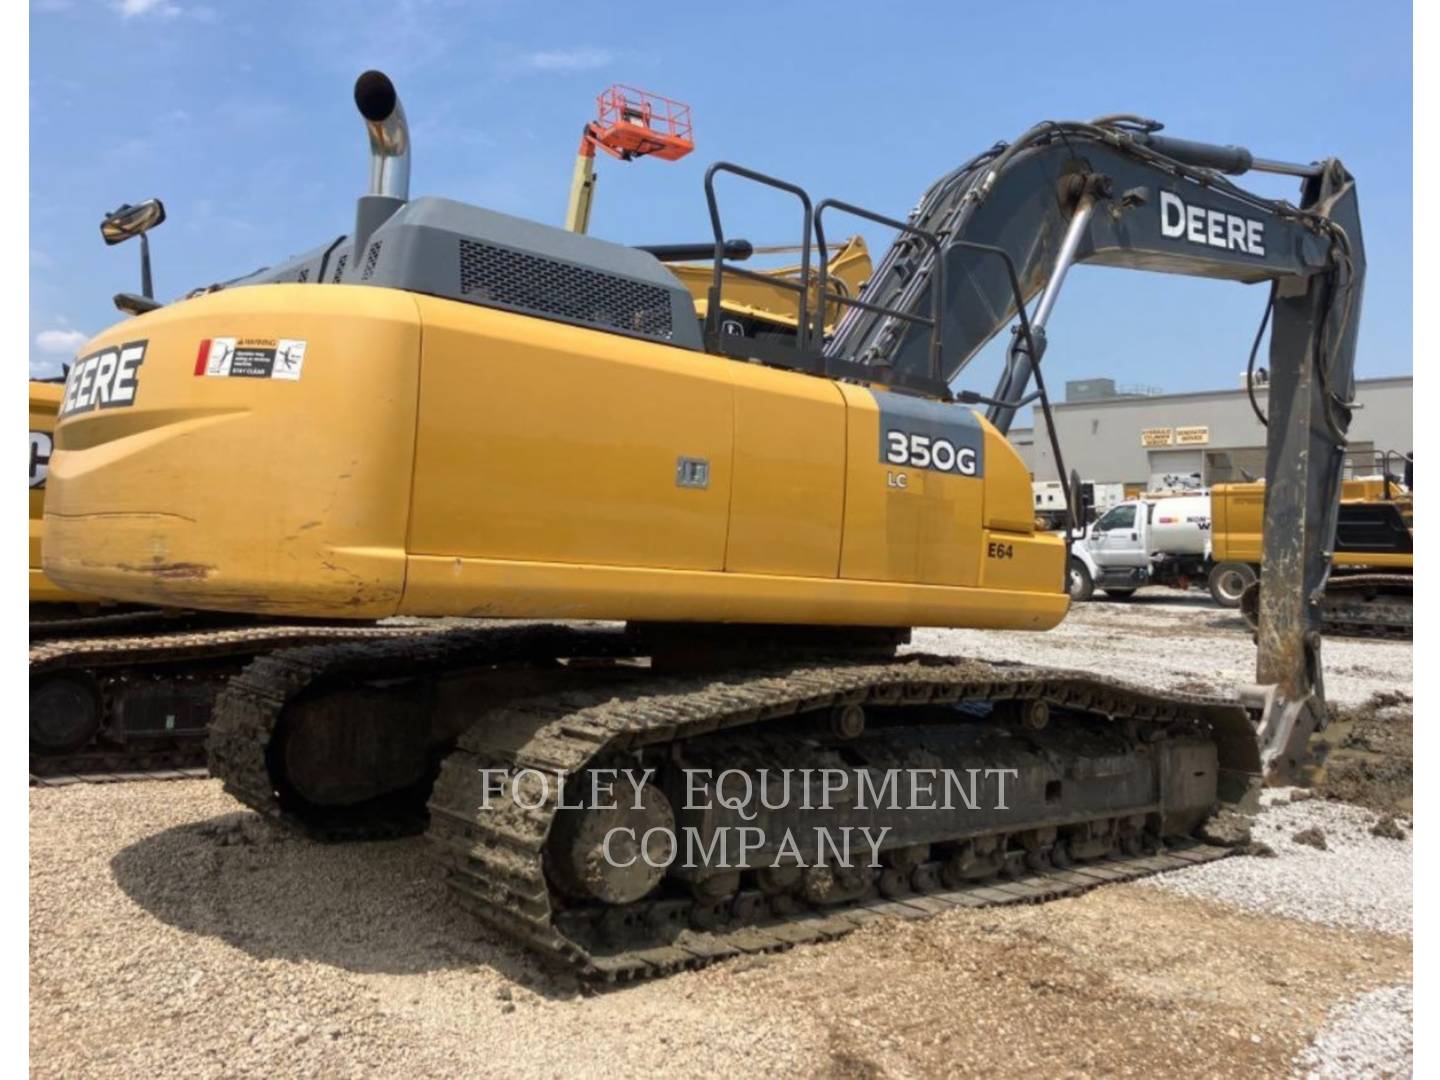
45, 369
580, 59
63, 342
131, 8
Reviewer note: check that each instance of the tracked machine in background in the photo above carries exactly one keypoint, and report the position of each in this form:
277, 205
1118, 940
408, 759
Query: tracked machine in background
46, 598
474, 414
1370, 590
75, 727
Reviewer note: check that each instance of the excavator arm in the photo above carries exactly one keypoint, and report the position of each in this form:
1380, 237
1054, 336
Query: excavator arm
1115, 193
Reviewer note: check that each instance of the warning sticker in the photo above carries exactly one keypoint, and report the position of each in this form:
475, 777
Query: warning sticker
251, 358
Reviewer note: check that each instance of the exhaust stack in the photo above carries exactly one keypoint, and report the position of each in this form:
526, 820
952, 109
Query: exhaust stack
384, 117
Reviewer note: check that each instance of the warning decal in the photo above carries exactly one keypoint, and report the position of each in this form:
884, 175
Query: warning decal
251, 358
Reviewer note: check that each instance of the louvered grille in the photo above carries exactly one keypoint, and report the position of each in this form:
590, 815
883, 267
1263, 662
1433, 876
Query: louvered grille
514, 279
371, 257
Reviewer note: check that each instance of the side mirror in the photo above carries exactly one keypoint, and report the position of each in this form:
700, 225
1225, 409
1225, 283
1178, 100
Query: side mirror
120, 225
130, 221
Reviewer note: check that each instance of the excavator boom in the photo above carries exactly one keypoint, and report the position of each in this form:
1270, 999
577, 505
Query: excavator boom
1114, 194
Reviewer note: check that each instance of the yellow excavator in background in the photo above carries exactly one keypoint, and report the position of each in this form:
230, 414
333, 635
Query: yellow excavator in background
751, 306
44, 403
454, 412
1371, 585
631, 124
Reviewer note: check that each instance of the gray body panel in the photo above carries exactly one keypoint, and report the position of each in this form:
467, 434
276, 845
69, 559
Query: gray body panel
940, 424
476, 256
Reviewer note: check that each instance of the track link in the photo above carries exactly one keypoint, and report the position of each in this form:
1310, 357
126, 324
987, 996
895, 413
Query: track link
1369, 605
250, 707
88, 771
495, 858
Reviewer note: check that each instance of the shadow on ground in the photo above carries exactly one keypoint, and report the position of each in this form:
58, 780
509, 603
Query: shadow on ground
375, 908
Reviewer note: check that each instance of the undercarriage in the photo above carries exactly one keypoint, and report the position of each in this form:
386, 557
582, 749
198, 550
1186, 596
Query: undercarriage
1362, 604
584, 799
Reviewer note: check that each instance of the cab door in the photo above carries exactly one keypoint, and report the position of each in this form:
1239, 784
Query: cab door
1117, 539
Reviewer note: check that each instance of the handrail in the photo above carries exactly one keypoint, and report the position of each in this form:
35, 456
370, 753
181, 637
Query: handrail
712, 314
936, 292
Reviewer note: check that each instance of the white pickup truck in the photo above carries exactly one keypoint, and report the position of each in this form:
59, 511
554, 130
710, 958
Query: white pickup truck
1155, 540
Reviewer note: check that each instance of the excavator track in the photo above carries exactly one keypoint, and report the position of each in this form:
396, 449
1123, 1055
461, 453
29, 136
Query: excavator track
1378, 605
497, 862
54, 625
1369, 605
250, 708
116, 692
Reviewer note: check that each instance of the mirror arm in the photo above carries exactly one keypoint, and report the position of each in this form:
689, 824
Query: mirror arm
147, 287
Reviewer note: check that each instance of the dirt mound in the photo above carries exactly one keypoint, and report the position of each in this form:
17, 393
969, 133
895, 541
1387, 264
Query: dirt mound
1366, 756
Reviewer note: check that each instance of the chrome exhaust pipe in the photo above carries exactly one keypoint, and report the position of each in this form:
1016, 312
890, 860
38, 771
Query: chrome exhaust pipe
384, 116
379, 104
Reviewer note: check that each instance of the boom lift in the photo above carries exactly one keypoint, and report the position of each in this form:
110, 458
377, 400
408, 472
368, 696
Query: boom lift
513, 421
631, 124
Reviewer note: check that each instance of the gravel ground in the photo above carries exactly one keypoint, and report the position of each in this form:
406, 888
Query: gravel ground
1306, 883
172, 932
1174, 640
1367, 1037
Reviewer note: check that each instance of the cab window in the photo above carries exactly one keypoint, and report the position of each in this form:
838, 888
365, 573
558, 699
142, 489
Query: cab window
1118, 517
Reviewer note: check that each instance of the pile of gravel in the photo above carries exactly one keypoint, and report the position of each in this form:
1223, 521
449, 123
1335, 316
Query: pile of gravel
1370, 1036
1358, 881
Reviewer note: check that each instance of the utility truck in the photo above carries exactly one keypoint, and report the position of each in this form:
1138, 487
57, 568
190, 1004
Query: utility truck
1152, 540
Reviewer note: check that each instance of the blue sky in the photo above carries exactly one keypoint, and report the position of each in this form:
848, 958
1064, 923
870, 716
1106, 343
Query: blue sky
239, 116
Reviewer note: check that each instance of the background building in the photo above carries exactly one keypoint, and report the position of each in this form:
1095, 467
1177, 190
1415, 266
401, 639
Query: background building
1147, 440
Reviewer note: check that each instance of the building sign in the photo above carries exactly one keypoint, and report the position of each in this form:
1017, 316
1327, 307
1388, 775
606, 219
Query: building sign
1192, 436
1158, 436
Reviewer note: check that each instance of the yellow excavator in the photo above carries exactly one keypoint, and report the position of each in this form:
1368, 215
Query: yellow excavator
714, 543
44, 402
1371, 586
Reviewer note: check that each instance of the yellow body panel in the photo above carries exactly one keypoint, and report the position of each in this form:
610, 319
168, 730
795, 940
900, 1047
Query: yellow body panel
1237, 516
849, 269
905, 524
44, 401
787, 494
539, 440
440, 458
246, 494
